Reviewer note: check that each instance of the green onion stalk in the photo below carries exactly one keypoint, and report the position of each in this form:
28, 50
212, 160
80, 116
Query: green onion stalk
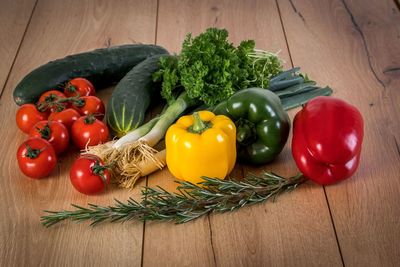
133, 155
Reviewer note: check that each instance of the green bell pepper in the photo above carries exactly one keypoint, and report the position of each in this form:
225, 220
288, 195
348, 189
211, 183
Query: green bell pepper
262, 124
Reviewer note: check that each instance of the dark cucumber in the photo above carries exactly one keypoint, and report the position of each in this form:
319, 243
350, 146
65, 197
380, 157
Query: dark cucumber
103, 67
132, 96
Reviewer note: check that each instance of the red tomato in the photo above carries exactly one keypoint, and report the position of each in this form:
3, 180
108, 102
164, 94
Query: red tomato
54, 132
92, 105
88, 131
89, 175
79, 87
47, 99
67, 117
36, 158
28, 115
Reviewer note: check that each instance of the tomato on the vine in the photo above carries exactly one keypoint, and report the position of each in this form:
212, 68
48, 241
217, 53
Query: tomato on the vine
67, 117
52, 131
89, 131
79, 87
36, 158
47, 101
92, 105
27, 116
89, 175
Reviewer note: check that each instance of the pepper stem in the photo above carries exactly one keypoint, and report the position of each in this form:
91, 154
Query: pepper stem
243, 132
199, 125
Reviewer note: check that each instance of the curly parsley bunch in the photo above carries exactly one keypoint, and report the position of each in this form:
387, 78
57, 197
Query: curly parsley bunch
211, 69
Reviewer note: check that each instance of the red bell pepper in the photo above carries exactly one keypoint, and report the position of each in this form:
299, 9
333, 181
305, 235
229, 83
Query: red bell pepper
327, 137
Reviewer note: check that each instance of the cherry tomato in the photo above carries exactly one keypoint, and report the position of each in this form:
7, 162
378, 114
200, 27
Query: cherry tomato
89, 175
92, 105
27, 116
47, 101
67, 117
52, 131
79, 87
88, 131
36, 158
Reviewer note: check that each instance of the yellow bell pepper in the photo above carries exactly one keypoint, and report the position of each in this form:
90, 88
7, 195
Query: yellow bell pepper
201, 144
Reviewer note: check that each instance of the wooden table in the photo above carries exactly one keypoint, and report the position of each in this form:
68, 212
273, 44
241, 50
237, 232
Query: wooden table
351, 45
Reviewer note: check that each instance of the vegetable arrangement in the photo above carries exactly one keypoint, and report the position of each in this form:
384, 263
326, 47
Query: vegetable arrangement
222, 103
219, 70
55, 120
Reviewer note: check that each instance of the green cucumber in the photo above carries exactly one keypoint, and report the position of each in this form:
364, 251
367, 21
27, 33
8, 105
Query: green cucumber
132, 96
103, 67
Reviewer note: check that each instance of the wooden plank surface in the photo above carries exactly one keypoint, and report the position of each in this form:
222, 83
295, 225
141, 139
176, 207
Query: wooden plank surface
60, 28
14, 19
351, 48
260, 235
350, 45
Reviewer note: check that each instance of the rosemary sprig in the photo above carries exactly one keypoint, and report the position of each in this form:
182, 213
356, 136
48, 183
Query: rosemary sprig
190, 202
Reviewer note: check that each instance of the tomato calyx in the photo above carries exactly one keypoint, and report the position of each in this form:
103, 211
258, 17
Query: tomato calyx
90, 119
32, 153
98, 170
77, 101
59, 104
45, 132
71, 88
51, 98
54, 102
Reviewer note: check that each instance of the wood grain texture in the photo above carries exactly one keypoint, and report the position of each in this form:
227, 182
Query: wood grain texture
60, 28
397, 3
297, 225
14, 19
351, 47
377, 24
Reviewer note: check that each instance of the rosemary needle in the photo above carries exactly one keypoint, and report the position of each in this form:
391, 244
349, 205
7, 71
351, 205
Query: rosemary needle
190, 202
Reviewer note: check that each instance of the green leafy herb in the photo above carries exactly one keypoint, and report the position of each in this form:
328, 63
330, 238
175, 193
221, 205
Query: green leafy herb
211, 69
191, 202
170, 78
